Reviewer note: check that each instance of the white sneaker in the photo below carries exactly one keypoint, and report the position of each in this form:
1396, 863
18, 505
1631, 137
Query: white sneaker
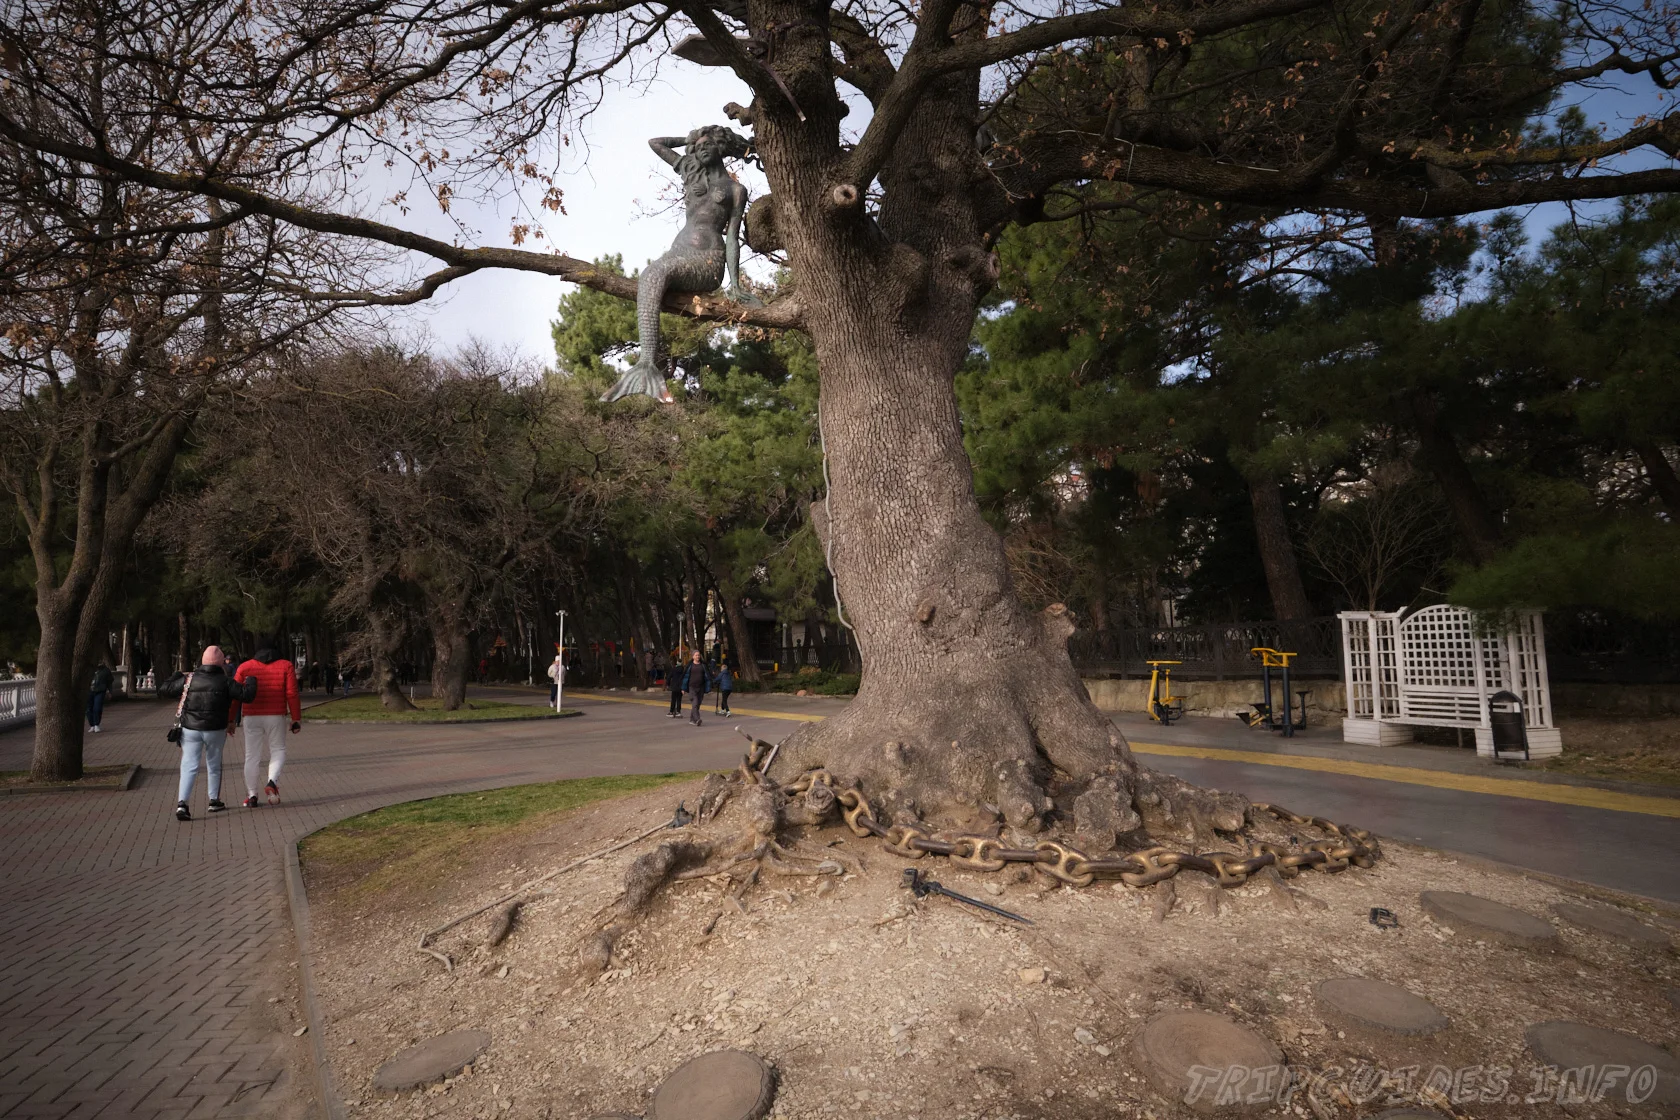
94, 728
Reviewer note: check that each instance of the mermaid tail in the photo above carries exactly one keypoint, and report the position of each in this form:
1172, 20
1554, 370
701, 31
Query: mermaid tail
643, 378
682, 270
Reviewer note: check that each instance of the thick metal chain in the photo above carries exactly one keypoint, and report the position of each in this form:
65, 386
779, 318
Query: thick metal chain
1350, 847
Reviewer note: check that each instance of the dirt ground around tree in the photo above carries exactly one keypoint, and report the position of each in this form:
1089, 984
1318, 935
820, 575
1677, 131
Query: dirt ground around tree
872, 1005
1623, 749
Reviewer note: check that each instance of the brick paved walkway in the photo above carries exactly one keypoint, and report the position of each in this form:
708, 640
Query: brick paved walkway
140, 955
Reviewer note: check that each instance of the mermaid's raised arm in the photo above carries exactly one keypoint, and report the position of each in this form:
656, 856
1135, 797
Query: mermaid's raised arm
663, 145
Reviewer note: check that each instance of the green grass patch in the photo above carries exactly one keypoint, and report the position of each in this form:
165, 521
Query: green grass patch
419, 843
367, 707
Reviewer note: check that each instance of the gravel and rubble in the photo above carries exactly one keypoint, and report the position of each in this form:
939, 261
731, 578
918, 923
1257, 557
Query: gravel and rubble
873, 1005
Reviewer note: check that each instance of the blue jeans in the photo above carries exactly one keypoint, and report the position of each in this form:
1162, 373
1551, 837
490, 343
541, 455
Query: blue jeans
96, 708
195, 746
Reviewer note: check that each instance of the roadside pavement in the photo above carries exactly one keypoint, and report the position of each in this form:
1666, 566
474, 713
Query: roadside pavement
142, 954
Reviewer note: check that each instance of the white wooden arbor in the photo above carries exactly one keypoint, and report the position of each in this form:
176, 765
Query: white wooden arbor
1435, 668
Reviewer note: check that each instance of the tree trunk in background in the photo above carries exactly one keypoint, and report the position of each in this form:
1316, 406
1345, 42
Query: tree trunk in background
385, 635
60, 697
746, 658
451, 655
75, 606
1277, 552
1661, 474
627, 612
1438, 454
1102, 640
694, 608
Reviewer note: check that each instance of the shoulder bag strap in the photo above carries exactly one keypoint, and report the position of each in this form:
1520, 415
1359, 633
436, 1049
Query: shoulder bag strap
182, 705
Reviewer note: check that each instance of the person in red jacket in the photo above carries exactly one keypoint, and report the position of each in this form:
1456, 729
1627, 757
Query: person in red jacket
265, 719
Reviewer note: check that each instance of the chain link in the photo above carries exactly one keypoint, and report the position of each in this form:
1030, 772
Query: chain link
1348, 846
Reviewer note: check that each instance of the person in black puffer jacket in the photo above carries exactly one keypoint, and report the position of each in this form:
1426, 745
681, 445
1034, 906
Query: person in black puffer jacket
209, 709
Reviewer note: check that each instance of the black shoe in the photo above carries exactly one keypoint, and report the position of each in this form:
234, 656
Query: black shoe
251, 802
216, 806
273, 792
182, 813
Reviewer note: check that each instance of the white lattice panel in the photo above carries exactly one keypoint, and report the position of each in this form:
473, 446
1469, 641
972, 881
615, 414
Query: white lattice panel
1357, 662
1388, 665
1438, 649
1436, 667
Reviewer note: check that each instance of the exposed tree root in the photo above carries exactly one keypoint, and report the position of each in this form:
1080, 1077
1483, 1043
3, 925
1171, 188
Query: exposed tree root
503, 924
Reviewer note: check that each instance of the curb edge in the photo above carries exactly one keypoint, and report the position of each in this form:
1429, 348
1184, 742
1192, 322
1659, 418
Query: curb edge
298, 902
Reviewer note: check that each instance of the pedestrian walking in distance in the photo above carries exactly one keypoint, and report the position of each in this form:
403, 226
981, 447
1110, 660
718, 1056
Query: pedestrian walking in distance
97, 691
209, 707
674, 682
265, 720
696, 684
555, 671
726, 685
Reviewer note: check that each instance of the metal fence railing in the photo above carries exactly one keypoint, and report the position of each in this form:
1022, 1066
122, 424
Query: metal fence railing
1600, 646
17, 702
1210, 652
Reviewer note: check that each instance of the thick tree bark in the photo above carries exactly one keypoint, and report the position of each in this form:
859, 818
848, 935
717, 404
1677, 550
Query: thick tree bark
1277, 552
75, 609
1660, 472
385, 635
745, 659
969, 704
627, 613
451, 655
1438, 454
60, 698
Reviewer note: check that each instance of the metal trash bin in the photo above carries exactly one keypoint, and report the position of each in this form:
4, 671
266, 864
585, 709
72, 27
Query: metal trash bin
1508, 725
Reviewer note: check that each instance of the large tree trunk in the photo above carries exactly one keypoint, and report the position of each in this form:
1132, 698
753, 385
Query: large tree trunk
627, 613
75, 609
60, 697
385, 636
1438, 454
451, 656
740, 636
1277, 552
1660, 472
968, 699
970, 709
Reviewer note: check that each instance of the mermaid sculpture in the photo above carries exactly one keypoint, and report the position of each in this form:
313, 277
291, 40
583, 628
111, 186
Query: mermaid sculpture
707, 249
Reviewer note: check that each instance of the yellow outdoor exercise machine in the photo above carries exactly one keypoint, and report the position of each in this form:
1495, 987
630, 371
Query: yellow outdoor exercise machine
1264, 715
1164, 707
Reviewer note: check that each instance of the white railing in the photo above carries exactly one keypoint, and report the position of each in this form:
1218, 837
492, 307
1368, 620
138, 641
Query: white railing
17, 702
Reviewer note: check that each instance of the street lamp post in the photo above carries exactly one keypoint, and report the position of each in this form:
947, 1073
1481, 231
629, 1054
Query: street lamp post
560, 669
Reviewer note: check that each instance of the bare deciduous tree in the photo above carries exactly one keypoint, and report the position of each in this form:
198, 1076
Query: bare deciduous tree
1370, 532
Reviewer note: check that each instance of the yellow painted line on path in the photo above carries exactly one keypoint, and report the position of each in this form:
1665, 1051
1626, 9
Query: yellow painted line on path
801, 717
1558, 794
1586, 796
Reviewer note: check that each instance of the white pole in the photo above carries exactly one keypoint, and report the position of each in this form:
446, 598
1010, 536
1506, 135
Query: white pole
560, 669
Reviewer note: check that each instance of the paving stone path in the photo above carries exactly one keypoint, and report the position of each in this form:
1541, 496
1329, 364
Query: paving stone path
140, 954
